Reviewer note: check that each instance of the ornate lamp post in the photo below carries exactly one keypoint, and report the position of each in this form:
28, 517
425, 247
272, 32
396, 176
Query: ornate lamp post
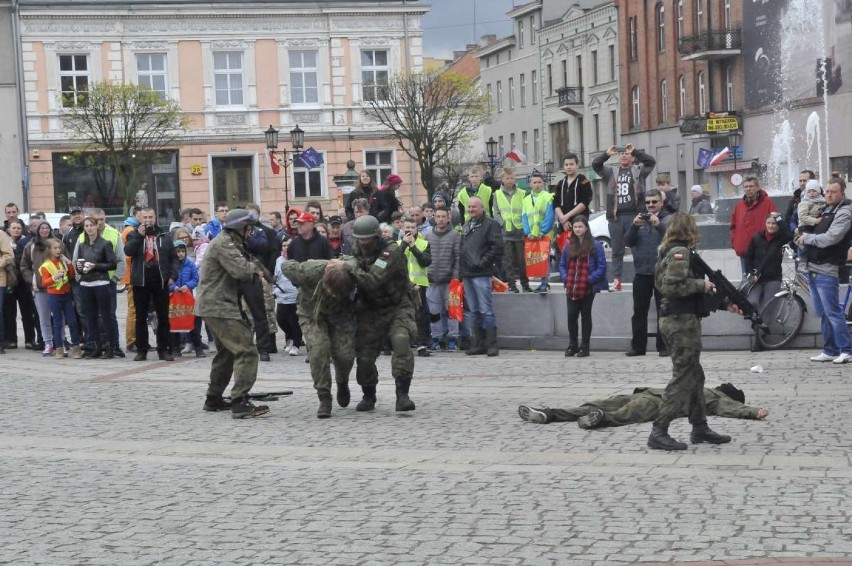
297, 140
491, 149
734, 139
548, 170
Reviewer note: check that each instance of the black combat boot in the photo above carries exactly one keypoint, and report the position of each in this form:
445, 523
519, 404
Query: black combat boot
660, 440
324, 411
216, 403
464, 343
368, 402
343, 395
264, 356
702, 433
165, 356
403, 401
140, 356
243, 408
477, 342
491, 342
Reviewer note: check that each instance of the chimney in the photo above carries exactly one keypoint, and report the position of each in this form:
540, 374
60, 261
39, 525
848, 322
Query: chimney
487, 39
471, 46
458, 55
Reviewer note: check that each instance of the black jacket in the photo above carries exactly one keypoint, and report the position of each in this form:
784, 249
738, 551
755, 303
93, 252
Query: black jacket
101, 254
481, 245
766, 255
315, 247
269, 249
386, 204
166, 258
71, 237
371, 199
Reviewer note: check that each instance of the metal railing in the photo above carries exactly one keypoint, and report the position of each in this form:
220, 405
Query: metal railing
722, 40
570, 95
693, 125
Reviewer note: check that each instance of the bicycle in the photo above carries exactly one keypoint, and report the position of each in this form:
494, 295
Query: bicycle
784, 314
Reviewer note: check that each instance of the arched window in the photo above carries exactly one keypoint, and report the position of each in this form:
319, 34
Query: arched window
679, 11
635, 97
664, 101
661, 28
681, 97
702, 89
699, 16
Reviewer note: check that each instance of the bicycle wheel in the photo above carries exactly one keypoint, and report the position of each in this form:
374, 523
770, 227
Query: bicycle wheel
783, 317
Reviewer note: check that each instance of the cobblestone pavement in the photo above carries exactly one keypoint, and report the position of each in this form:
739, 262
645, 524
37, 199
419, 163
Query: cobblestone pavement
114, 462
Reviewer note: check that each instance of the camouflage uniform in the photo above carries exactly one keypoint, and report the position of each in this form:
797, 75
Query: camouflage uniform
224, 268
644, 406
327, 321
386, 307
682, 304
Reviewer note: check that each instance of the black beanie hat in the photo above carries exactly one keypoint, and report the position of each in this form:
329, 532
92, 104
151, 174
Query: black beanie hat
732, 392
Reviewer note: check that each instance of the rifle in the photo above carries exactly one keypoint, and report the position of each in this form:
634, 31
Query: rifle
266, 396
725, 292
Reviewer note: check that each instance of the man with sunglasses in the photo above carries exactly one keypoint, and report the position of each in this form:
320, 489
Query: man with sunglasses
644, 237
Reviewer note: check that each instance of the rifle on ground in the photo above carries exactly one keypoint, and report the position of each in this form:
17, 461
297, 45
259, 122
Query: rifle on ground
727, 293
266, 395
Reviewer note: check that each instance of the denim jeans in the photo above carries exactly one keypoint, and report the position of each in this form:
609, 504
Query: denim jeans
43, 310
437, 295
825, 293
478, 295
62, 312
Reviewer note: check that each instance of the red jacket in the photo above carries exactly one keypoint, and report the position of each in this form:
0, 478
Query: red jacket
749, 218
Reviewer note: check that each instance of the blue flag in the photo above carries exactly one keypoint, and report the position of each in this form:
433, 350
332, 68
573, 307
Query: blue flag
704, 158
311, 158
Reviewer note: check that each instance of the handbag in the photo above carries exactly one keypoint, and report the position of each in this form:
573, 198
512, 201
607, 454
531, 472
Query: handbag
455, 303
537, 256
181, 311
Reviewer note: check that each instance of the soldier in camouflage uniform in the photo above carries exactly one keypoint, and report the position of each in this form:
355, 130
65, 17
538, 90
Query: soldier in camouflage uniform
326, 310
224, 269
682, 306
642, 407
385, 307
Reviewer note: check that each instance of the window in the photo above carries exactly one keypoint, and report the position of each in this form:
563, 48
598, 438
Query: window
228, 73
532, 29
612, 62
151, 72
579, 61
525, 149
613, 123
307, 183
489, 94
664, 101
374, 74
634, 45
536, 148
520, 34
594, 67
549, 80
597, 123
534, 87
500, 147
304, 86
729, 88
635, 107
233, 178
523, 87
499, 96
702, 107
679, 6
497, 57
661, 28
564, 72
511, 93
699, 16
727, 14
74, 79
511, 141
379, 164
681, 97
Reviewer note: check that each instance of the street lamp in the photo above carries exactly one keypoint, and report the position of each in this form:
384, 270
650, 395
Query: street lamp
491, 149
734, 139
297, 140
548, 170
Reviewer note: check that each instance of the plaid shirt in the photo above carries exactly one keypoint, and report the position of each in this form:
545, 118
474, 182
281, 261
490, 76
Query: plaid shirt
577, 284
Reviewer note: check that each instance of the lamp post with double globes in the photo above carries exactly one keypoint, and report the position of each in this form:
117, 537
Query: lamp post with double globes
297, 140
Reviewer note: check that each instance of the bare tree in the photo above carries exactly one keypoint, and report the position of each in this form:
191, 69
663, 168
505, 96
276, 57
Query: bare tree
122, 129
451, 172
430, 114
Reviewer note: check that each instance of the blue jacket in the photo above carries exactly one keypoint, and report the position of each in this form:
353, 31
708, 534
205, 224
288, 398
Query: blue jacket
597, 267
546, 223
644, 242
187, 275
212, 228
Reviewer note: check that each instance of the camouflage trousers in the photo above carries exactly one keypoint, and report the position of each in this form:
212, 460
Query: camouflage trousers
269, 304
618, 411
373, 326
235, 354
684, 394
331, 339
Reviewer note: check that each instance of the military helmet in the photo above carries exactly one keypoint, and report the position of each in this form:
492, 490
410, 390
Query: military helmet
366, 227
239, 218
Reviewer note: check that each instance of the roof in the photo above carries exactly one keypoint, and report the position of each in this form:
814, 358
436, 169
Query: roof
303, 4
523, 9
498, 45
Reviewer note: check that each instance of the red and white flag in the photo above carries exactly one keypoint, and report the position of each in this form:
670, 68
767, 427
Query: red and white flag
720, 157
273, 163
516, 156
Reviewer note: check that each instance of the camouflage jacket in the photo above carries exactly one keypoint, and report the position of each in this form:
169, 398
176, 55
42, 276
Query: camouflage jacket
717, 403
314, 301
681, 288
224, 268
382, 275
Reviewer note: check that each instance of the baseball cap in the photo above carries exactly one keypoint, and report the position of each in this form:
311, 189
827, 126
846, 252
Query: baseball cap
75, 209
335, 220
306, 217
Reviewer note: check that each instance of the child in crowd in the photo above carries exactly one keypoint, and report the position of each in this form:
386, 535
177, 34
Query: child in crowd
56, 273
538, 219
419, 257
582, 269
396, 224
810, 207
186, 282
285, 304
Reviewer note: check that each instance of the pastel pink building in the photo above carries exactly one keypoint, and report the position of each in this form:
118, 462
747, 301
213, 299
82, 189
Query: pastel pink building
234, 68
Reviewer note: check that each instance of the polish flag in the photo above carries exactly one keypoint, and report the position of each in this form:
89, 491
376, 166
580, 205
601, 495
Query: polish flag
516, 156
273, 163
720, 157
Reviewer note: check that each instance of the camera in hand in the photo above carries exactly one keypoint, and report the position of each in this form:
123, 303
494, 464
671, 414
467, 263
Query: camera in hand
150, 230
645, 216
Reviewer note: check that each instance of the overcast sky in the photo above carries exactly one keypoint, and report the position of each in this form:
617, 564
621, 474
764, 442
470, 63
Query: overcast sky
449, 25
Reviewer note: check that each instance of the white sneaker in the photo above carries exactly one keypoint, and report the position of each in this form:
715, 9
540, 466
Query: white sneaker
287, 345
295, 351
843, 358
823, 357
188, 349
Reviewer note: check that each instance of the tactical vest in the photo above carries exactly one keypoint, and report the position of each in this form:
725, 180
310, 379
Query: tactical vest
483, 192
536, 212
510, 211
834, 254
691, 304
416, 272
394, 291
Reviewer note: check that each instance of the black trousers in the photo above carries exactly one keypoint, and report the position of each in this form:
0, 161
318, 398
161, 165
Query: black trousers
21, 296
288, 321
142, 298
581, 309
422, 318
253, 294
643, 290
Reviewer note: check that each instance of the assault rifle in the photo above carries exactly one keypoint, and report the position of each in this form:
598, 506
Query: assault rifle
266, 396
726, 293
